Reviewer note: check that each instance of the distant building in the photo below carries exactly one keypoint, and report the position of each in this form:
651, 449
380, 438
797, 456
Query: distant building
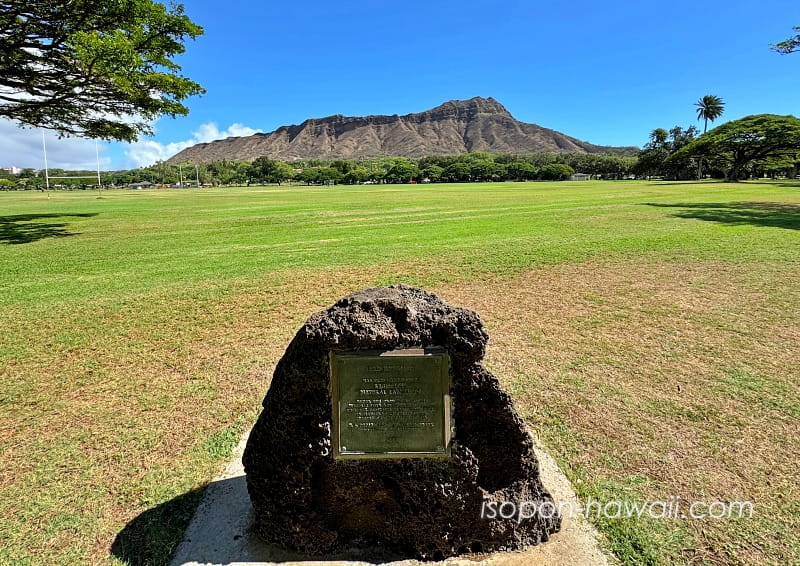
581, 177
13, 170
142, 185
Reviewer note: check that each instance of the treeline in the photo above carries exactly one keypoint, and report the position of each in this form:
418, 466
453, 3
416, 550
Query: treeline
467, 167
662, 157
33, 179
463, 168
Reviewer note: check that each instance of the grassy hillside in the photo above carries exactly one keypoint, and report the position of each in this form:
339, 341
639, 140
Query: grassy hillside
647, 331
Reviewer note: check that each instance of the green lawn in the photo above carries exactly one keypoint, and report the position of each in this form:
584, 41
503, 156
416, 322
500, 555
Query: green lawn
646, 331
129, 240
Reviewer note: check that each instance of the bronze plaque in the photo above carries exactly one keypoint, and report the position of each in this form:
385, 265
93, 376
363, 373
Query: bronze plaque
390, 403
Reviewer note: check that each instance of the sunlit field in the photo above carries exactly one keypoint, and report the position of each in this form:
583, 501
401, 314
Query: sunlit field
649, 334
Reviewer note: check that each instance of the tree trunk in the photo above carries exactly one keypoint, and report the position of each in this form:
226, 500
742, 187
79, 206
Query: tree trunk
733, 173
700, 159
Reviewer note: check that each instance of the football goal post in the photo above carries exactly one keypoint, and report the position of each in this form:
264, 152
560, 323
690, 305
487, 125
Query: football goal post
47, 175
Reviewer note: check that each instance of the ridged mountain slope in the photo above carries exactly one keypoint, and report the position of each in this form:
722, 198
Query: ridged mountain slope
458, 126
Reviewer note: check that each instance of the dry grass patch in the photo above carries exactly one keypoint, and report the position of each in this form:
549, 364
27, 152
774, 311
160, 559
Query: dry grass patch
672, 379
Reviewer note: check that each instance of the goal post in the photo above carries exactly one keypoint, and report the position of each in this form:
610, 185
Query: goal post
47, 175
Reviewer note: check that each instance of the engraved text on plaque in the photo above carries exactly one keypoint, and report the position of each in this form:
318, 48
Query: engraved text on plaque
390, 404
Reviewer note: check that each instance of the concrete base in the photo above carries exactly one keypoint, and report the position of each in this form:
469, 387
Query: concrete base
220, 532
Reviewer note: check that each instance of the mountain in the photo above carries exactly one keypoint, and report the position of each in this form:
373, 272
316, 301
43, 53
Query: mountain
458, 126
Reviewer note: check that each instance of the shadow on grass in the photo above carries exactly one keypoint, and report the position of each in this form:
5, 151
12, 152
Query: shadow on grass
26, 228
771, 214
787, 184
219, 534
687, 182
152, 537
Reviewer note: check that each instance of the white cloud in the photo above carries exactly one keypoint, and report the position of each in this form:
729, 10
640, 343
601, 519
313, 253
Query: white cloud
146, 152
22, 147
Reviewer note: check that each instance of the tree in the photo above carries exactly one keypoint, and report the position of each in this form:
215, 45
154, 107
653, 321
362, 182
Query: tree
267, 170
457, 172
655, 152
483, 170
521, 171
375, 172
93, 69
776, 166
403, 171
710, 107
342, 165
356, 175
653, 159
790, 45
687, 167
499, 172
310, 176
433, 173
329, 175
740, 142
555, 172
321, 175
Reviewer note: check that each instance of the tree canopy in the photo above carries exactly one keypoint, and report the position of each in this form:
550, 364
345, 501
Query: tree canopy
790, 45
738, 143
268, 170
555, 172
93, 69
653, 159
402, 171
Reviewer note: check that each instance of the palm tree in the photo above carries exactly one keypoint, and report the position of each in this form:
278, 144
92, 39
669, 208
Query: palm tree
710, 107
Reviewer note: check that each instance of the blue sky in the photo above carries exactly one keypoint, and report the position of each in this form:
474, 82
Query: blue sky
605, 72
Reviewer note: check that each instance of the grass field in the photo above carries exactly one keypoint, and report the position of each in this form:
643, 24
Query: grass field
648, 332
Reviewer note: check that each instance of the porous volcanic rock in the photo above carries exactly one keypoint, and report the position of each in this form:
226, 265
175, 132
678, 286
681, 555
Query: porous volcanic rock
430, 508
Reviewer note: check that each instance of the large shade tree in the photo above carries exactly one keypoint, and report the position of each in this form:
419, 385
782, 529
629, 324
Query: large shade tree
97, 69
738, 143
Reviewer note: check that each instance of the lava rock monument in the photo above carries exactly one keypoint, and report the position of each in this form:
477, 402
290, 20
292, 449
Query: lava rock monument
382, 429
